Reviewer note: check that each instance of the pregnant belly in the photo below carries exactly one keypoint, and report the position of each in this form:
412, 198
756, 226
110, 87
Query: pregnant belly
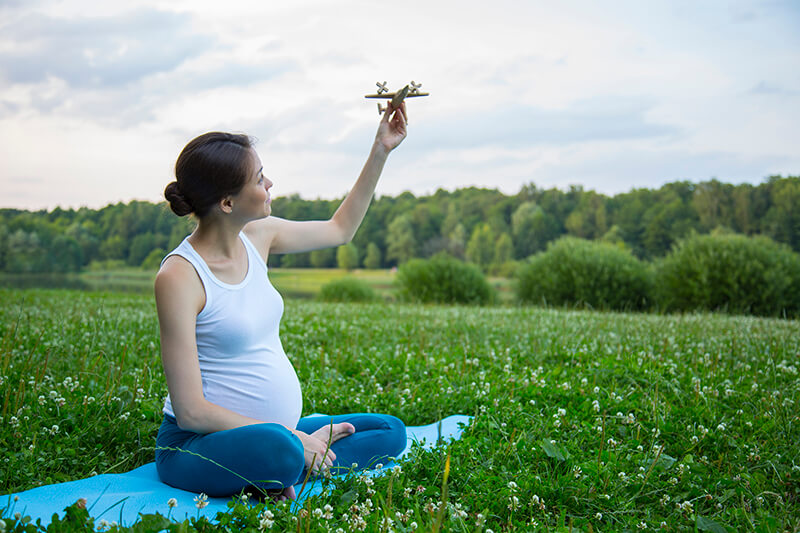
270, 394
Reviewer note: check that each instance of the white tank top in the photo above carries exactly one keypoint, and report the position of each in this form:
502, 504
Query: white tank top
242, 362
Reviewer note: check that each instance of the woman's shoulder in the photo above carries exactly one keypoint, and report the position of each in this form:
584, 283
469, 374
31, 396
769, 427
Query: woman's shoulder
261, 232
177, 278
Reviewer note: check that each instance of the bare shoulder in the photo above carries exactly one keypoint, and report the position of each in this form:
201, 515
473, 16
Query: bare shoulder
177, 285
262, 232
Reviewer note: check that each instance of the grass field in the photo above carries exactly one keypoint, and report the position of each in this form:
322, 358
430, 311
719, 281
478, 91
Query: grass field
584, 421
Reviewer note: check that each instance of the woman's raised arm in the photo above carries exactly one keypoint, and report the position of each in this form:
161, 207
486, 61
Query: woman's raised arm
282, 236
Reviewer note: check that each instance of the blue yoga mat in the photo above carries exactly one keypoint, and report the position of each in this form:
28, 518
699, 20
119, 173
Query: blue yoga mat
121, 497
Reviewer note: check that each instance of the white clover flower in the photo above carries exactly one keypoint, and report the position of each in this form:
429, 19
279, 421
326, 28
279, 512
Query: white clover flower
172, 502
317, 513
686, 506
201, 500
599, 516
512, 485
721, 426
562, 412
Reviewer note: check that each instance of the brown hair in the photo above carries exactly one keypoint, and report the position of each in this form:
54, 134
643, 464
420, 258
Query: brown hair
210, 167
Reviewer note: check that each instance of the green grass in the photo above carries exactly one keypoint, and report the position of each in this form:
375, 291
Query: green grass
583, 420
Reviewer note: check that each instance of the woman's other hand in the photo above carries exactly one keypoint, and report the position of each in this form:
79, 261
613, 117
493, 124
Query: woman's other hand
392, 129
316, 444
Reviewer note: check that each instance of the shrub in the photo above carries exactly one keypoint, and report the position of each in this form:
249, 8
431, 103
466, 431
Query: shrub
347, 290
443, 279
734, 273
578, 272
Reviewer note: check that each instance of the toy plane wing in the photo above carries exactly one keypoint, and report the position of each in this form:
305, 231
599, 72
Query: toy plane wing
409, 91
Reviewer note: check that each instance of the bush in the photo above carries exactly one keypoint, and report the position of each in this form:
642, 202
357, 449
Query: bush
733, 273
347, 290
443, 279
578, 272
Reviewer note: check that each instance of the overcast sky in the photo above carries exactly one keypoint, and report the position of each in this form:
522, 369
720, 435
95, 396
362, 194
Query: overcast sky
98, 98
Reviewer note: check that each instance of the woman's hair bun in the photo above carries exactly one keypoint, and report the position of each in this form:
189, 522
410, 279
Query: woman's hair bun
177, 201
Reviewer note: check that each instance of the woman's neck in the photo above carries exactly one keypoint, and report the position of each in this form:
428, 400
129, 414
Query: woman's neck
217, 237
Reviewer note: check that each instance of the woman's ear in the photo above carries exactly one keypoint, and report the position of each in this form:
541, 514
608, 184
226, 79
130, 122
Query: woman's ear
226, 204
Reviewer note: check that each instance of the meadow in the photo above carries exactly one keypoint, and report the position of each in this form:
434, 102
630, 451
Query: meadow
583, 421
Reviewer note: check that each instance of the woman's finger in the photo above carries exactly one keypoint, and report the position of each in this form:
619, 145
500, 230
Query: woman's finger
388, 112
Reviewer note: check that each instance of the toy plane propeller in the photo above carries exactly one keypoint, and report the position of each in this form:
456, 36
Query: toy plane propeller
409, 91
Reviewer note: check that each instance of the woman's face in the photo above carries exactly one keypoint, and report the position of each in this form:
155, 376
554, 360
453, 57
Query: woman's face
254, 198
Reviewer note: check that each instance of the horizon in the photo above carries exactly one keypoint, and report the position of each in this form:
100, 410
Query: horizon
420, 195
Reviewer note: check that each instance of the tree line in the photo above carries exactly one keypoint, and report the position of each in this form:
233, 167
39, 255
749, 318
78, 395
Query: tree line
483, 226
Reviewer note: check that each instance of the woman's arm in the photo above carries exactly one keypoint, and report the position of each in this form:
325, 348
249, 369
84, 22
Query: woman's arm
282, 236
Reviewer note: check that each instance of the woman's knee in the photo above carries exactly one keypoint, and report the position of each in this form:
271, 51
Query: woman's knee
277, 449
396, 438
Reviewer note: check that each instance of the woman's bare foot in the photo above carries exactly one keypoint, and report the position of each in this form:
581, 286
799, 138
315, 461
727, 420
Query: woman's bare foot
334, 432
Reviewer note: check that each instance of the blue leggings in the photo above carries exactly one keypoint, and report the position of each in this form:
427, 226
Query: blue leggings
267, 456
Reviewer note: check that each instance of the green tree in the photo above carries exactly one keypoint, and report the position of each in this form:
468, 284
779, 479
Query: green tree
140, 248
373, 257
589, 219
347, 256
25, 253
113, 247
480, 249
532, 229
782, 220
401, 242
503, 249
65, 255
153, 259
3, 246
322, 258
457, 241
712, 201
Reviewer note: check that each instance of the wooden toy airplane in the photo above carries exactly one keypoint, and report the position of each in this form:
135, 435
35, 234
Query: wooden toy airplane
409, 91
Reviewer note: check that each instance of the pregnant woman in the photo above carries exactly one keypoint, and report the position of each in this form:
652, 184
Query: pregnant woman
232, 415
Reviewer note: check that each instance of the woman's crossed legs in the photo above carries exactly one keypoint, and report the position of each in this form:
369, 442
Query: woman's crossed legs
267, 456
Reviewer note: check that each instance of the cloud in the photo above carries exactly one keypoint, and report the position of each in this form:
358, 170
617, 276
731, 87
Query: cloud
763, 87
517, 126
97, 52
119, 70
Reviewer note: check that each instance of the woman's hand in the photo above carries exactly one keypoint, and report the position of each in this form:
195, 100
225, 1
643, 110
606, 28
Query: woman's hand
316, 444
392, 129
286, 494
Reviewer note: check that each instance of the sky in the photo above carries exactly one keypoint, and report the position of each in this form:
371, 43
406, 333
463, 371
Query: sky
98, 98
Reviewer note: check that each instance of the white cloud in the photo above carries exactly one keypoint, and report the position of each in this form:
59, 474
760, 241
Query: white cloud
608, 96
